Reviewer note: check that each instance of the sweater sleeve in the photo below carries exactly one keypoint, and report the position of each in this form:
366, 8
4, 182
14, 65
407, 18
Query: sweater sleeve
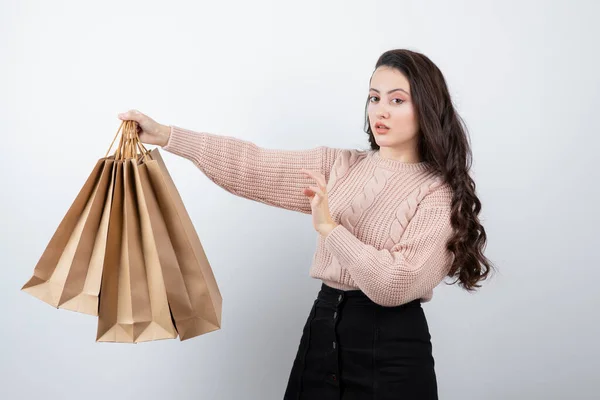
409, 270
242, 168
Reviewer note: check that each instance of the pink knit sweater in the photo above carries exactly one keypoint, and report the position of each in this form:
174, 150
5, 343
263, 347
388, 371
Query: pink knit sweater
394, 216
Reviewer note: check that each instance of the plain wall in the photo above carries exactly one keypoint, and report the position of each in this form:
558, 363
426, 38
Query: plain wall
289, 75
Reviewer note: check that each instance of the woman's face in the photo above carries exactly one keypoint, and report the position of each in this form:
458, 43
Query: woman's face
390, 103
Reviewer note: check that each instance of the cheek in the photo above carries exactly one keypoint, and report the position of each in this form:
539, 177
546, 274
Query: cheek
372, 118
404, 118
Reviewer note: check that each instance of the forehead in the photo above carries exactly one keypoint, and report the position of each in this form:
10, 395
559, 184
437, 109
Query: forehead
385, 78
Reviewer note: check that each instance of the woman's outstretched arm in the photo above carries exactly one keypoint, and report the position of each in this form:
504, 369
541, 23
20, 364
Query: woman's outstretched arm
241, 167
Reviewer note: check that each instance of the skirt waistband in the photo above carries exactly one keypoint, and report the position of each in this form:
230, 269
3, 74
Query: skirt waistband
336, 296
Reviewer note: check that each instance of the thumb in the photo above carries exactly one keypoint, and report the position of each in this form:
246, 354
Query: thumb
131, 115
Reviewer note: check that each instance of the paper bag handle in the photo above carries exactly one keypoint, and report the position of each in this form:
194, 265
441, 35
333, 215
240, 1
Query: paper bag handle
129, 143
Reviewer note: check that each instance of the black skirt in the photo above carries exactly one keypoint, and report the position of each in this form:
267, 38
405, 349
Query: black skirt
352, 348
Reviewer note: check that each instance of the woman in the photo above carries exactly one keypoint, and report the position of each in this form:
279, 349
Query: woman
393, 222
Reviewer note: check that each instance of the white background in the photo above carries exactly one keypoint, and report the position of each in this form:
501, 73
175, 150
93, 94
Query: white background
294, 75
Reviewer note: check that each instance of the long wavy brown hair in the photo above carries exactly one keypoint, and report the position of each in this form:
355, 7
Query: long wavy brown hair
443, 142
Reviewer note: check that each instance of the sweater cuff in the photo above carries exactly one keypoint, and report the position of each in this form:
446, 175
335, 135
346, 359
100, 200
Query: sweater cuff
186, 143
344, 245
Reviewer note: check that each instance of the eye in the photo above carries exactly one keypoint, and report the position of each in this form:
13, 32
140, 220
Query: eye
400, 101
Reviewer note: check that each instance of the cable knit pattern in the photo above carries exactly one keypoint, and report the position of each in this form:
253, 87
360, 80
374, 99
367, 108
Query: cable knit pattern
365, 198
394, 217
408, 209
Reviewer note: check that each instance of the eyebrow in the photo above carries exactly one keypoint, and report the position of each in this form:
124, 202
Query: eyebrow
391, 91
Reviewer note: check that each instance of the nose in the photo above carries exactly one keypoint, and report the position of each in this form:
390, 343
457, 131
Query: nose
382, 113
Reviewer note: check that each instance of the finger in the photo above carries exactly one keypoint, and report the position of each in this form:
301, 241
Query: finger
308, 192
322, 183
317, 190
320, 179
316, 176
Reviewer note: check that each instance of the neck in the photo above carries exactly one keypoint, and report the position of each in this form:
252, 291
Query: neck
400, 155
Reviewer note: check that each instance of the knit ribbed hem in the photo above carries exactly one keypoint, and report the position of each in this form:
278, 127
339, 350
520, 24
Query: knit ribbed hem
395, 165
343, 245
186, 143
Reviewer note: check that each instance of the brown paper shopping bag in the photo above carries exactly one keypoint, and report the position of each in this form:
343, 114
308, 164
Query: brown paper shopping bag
128, 252
194, 296
133, 299
69, 271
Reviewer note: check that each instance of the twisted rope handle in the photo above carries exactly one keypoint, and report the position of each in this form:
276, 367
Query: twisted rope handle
129, 144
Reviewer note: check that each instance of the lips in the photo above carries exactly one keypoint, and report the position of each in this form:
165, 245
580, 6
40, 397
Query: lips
381, 128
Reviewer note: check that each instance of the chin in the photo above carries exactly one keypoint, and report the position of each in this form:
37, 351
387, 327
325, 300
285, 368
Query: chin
382, 140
